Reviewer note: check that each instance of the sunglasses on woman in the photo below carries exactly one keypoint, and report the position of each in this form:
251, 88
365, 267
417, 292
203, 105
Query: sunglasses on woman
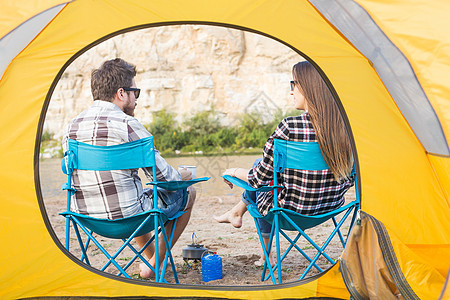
136, 91
293, 83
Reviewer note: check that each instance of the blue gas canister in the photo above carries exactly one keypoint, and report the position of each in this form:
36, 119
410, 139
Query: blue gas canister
211, 267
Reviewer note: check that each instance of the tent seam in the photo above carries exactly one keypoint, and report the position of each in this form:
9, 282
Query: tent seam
36, 36
339, 32
413, 68
391, 260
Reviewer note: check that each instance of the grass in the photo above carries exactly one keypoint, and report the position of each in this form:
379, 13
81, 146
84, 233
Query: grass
125, 258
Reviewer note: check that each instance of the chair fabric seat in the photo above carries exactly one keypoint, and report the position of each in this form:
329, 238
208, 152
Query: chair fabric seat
302, 221
120, 228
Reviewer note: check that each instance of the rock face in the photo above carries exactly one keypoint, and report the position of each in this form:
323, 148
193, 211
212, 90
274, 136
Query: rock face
185, 69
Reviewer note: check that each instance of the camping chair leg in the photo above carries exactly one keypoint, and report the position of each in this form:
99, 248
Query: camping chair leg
86, 245
339, 233
102, 249
127, 242
293, 244
138, 254
277, 241
309, 239
80, 241
174, 271
355, 213
287, 251
168, 252
155, 222
266, 253
67, 233
321, 251
316, 257
267, 264
266, 256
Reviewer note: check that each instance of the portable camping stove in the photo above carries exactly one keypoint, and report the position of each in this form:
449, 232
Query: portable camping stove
193, 253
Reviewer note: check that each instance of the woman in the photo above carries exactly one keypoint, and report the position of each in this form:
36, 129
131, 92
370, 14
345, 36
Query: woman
306, 192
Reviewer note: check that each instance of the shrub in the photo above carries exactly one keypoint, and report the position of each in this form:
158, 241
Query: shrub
204, 132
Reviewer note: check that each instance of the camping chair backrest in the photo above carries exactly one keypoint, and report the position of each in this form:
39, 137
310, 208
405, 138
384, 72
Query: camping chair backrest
300, 156
131, 155
296, 155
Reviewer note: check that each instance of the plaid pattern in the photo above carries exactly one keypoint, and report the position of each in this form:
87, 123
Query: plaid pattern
111, 194
306, 192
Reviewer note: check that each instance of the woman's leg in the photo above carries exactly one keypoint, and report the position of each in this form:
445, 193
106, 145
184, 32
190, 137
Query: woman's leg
265, 228
234, 215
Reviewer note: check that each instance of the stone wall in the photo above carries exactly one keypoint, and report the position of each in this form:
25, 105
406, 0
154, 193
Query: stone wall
185, 69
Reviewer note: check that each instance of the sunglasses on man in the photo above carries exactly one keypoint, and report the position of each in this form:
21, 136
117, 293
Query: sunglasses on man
136, 91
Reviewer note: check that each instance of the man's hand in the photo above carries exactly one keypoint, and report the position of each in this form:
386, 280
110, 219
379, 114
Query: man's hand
185, 174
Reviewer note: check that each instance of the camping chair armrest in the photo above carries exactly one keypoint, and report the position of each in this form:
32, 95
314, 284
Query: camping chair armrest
243, 184
252, 208
177, 185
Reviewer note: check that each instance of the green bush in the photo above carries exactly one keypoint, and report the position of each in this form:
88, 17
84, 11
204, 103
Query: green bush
46, 136
203, 132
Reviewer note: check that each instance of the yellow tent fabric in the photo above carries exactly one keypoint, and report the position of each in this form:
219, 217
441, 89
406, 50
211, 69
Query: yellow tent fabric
402, 185
15, 13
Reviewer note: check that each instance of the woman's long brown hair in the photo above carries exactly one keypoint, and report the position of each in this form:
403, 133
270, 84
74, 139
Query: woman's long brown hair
326, 120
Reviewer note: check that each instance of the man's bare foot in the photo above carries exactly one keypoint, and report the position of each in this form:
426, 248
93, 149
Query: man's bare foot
261, 260
146, 272
230, 217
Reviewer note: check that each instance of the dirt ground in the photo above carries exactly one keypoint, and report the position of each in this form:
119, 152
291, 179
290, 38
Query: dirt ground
238, 248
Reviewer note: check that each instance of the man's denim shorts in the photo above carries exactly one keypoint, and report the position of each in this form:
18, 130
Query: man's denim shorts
170, 202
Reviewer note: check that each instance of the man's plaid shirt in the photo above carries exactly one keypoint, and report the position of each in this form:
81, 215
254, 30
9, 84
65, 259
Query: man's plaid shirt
111, 194
306, 192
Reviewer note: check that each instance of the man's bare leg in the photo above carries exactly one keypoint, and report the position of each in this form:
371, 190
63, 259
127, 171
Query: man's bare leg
234, 215
182, 221
142, 240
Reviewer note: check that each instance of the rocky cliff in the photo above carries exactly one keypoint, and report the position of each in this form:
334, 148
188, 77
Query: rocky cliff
185, 69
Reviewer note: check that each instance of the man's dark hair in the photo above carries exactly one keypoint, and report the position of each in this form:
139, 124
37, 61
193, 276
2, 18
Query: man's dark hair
112, 75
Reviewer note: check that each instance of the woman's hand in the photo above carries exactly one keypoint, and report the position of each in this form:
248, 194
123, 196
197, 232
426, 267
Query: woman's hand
231, 172
185, 174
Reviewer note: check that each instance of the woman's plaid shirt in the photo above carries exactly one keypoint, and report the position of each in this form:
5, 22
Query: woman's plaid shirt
306, 192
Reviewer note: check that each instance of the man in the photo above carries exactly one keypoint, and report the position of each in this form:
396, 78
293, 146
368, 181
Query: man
118, 194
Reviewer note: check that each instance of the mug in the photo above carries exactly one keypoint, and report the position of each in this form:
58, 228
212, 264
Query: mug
192, 169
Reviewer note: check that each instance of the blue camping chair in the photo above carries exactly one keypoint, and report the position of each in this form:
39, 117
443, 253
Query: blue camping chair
303, 156
132, 155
